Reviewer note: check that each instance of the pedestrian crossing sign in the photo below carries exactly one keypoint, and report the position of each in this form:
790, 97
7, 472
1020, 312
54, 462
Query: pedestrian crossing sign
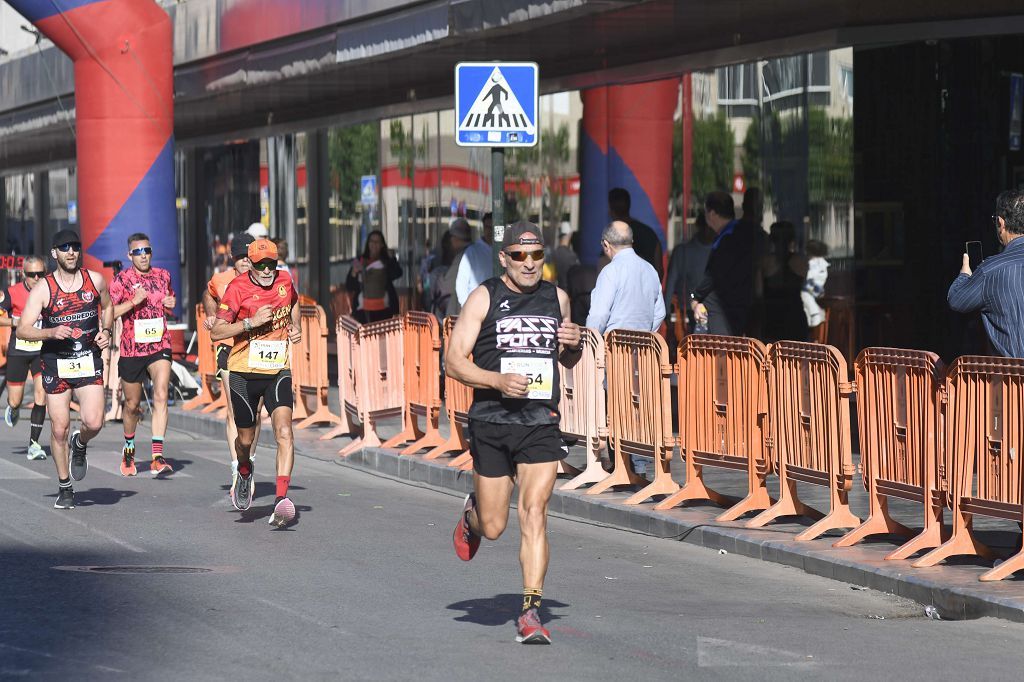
496, 104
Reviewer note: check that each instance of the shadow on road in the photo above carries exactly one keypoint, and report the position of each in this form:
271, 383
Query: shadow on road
100, 496
501, 609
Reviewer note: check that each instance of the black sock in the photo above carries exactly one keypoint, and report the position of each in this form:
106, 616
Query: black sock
65, 483
531, 599
38, 415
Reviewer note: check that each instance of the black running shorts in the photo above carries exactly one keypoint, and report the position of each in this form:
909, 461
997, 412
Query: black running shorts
498, 448
223, 352
19, 366
247, 389
135, 370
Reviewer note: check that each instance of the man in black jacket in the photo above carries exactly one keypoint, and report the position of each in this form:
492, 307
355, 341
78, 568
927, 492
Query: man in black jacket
724, 297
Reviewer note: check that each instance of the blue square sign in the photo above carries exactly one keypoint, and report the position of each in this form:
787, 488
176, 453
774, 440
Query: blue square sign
496, 104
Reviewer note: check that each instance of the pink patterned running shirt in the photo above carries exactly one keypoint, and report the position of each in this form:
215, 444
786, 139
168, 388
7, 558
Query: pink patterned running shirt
145, 325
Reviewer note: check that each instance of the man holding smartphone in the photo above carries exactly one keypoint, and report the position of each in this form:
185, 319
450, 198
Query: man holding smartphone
995, 288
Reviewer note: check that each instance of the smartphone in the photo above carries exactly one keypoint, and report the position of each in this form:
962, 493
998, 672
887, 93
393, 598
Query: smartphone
973, 251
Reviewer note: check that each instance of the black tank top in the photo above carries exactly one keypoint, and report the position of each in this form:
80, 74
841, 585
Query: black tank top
79, 310
520, 332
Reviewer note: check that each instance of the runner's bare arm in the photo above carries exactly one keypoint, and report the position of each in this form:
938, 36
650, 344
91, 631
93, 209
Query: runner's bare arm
460, 346
30, 315
228, 330
210, 307
569, 334
106, 311
124, 307
295, 331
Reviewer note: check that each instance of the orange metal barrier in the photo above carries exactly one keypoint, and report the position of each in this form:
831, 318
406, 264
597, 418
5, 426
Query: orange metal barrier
723, 415
583, 407
207, 369
984, 434
900, 417
639, 411
347, 349
457, 399
809, 395
380, 378
309, 370
422, 384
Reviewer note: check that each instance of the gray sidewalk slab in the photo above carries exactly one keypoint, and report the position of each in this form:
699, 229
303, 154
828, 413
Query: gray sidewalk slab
953, 588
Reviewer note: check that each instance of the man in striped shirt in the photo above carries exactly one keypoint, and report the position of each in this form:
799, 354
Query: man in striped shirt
996, 288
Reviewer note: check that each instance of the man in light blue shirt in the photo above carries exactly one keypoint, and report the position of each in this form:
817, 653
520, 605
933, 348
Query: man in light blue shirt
476, 264
628, 292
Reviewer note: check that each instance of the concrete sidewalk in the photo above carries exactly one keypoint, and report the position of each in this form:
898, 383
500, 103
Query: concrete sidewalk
952, 588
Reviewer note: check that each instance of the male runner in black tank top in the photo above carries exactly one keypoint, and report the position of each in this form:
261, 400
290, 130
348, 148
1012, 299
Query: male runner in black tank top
516, 327
77, 317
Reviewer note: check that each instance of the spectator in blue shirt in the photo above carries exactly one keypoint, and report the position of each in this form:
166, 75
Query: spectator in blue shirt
996, 288
628, 291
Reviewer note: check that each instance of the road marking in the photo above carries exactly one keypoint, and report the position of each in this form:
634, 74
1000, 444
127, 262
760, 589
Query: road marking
16, 472
716, 653
302, 616
66, 516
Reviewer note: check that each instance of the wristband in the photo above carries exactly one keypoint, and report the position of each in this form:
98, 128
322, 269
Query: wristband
246, 324
109, 332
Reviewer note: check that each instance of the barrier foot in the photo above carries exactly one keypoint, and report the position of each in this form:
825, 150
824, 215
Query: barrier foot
963, 542
321, 416
929, 538
566, 469
461, 459
839, 517
695, 489
455, 441
217, 404
757, 500
342, 429
788, 505
878, 523
198, 401
594, 473
467, 466
1008, 567
430, 441
351, 447
662, 485
617, 477
407, 435
369, 440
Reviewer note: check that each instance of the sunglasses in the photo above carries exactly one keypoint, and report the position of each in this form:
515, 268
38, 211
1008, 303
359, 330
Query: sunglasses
265, 265
536, 255
41, 273
70, 246
141, 251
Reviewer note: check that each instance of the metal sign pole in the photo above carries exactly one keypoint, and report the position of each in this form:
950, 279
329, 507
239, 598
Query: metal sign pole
497, 203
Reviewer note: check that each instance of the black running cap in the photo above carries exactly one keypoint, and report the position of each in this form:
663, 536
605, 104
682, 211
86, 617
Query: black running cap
65, 237
522, 233
240, 245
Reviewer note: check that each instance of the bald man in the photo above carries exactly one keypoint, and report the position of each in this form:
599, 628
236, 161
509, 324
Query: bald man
628, 291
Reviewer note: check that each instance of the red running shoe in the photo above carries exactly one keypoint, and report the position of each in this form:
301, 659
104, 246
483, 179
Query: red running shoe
466, 542
160, 467
531, 631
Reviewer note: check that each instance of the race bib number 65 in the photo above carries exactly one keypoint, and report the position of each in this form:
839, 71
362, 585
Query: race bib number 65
539, 373
149, 331
268, 354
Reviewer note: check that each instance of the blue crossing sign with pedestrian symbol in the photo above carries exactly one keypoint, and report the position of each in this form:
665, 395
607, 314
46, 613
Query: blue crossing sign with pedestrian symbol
368, 190
496, 104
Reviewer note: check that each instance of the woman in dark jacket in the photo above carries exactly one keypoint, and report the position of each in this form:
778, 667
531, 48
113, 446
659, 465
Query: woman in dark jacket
370, 281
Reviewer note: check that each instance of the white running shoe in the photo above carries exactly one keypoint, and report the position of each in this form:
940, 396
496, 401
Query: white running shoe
35, 451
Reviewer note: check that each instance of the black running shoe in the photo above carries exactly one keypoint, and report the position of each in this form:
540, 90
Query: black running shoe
65, 499
79, 464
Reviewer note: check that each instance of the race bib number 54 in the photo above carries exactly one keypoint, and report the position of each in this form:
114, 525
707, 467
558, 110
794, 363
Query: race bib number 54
268, 354
539, 372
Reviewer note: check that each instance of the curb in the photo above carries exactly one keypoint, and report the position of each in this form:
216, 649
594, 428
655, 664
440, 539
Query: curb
953, 590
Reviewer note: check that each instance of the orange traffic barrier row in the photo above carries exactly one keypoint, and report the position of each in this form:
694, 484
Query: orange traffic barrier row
639, 411
723, 411
380, 379
207, 369
422, 346
347, 351
457, 398
583, 408
809, 398
310, 380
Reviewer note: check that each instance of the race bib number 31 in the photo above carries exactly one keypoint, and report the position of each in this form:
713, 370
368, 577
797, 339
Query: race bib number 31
539, 372
76, 368
268, 354
149, 331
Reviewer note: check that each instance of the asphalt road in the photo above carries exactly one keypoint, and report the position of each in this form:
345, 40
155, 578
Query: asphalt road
365, 587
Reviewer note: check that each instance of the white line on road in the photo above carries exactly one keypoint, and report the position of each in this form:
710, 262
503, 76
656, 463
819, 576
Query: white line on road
12, 471
302, 616
716, 653
65, 515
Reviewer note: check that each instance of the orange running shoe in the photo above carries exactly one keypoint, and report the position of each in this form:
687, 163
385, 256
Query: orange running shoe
128, 461
466, 542
160, 467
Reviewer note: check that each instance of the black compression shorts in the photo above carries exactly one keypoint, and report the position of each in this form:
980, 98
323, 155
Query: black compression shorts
247, 389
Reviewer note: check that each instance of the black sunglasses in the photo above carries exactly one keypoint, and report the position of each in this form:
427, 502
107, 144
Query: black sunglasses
40, 273
536, 255
70, 246
141, 251
265, 265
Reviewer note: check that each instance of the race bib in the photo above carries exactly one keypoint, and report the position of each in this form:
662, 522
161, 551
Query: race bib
268, 354
76, 368
539, 372
28, 346
149, 331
